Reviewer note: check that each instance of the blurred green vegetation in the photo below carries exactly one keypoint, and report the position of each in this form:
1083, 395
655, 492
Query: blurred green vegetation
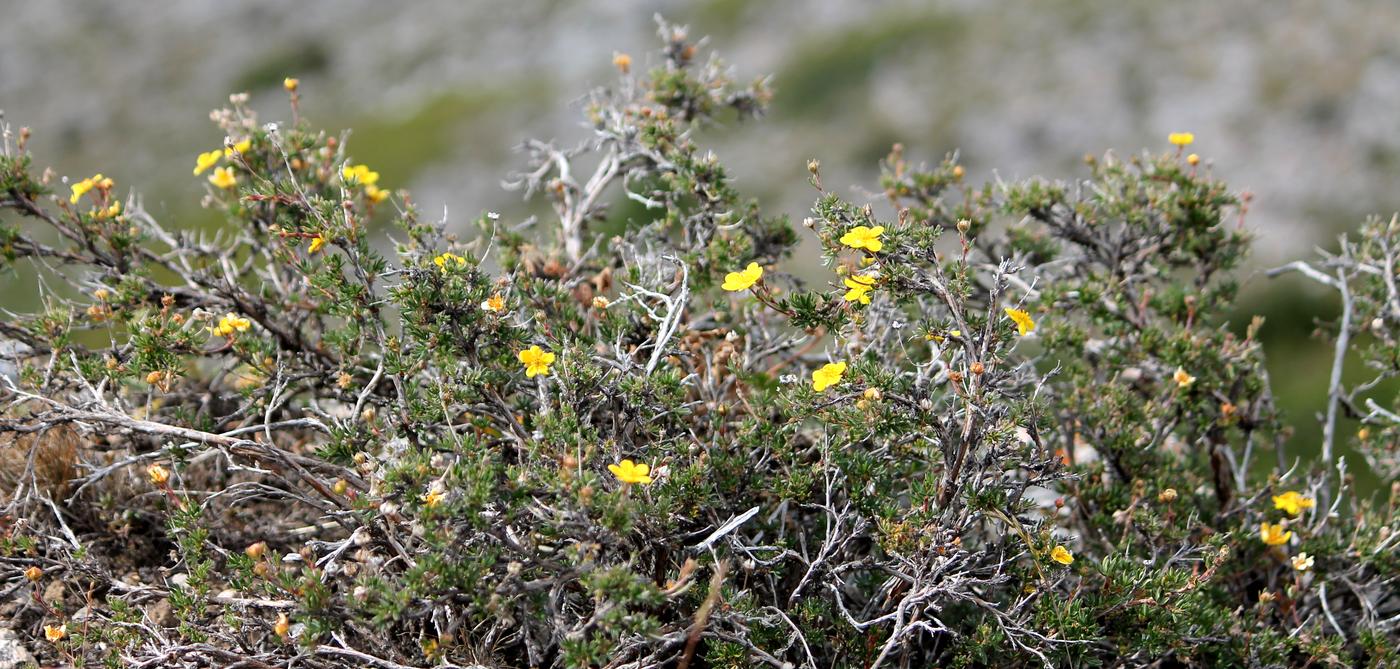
1300, 366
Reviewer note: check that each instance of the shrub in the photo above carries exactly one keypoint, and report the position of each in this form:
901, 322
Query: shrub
1009, 426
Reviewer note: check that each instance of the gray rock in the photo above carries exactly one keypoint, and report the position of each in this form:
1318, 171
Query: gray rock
13, 654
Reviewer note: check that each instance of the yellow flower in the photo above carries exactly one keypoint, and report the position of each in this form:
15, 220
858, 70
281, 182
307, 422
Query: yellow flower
1062, 555
1292, 503
158, 474
494, 304
631, 472
112, 210
1181, 138
862, 237
449, 257
240, 147
1193, 160
1274, 534
206, 160
55, 633
291, 84
376, 194
316, 243
229, 324
1302, 562
860, 287
1183, 380
1024, 324
829, 375
80, 189
536, 361
223, 178
359, 175
432, 498
744, 279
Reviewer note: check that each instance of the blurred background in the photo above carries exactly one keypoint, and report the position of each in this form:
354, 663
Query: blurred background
1295, 102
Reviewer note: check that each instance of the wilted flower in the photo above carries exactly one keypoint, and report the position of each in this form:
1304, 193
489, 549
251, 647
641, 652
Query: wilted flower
622, 62
1302, 562
55, 633
282, 625
494, 304
158, 474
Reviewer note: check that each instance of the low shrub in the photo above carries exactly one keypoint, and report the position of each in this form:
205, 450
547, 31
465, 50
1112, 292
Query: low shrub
1005, 424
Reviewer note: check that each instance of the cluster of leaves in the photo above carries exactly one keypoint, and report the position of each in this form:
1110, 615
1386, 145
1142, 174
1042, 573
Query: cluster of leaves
1010, 428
